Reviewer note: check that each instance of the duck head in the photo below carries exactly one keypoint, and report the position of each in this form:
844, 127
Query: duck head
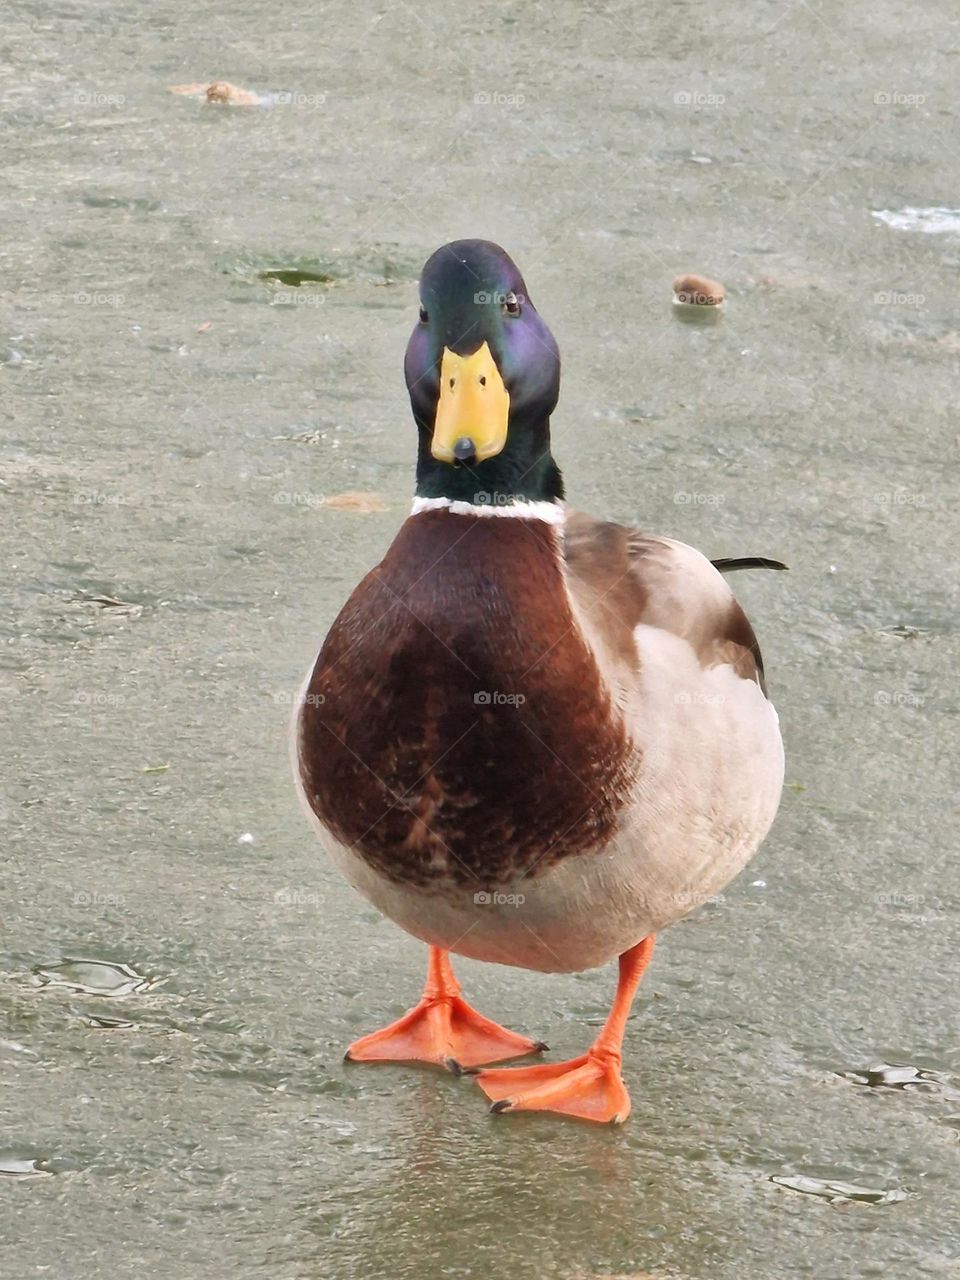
483, 373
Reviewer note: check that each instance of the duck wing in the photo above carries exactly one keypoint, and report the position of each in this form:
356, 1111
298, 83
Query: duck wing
621, 578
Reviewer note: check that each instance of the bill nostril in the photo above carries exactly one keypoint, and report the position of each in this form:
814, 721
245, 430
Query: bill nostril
483, 380
465, 451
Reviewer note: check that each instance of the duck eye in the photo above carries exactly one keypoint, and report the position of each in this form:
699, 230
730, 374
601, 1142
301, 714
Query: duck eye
423, 314
511, 304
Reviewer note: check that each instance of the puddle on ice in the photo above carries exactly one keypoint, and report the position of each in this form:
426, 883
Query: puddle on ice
95, 978
838, 1192
14, 1168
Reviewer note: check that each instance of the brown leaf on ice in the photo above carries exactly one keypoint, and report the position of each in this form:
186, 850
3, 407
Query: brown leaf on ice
698, 291
354, 500
218, 91
224, 91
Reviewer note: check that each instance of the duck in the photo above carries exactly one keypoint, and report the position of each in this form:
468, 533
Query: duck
531, 737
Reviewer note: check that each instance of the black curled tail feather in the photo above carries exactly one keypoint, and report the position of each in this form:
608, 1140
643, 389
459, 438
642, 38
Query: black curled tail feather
729, 565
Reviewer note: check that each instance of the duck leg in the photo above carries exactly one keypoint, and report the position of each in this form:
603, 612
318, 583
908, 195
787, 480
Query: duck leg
589, 1087
442, 1029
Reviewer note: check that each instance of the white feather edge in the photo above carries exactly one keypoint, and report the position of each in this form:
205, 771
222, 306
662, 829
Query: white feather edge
520, 509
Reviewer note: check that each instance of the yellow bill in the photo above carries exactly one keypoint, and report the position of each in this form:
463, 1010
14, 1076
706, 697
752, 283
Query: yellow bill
474, 404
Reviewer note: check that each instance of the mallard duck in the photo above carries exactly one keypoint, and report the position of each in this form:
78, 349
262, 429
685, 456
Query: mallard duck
530, 737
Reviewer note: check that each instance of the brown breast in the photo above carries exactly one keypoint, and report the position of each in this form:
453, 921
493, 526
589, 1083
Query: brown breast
456, 725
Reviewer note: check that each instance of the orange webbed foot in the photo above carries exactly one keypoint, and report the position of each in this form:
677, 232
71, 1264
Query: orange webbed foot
442, 1029
589, 1088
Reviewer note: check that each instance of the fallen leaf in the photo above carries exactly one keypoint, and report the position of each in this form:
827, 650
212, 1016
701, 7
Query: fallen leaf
355, 501
218, 91
205, 327
224, 91
698, 291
